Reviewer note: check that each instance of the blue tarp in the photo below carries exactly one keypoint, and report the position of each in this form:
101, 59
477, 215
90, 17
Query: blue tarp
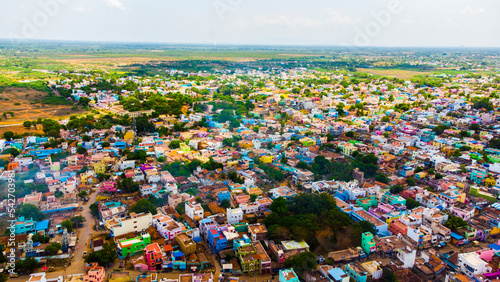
456, 236
495, 247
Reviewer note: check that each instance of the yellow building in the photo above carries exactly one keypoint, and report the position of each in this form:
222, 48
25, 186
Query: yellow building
255, 191
245, 144
129, 135
187, 245
266, 159
489, 182
185, 148
100, 167
476, 147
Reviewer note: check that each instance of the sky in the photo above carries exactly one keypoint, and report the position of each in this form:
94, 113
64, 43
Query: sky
388, 23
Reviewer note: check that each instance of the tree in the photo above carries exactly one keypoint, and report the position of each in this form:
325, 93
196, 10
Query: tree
31, 211
127, 185
83, 194
454, 223
68, 225
475, 127
396, 189
26, 265
253, 197
143, 205
181, 208
174, 144
279, 206
77, 220
80, 150
37, 237
86, 138
3, 277
94, 209
389, 276
302, 165
27, 124
227, 142
382, 178
410, 181
225, 204
329, 137
411, 204
11, 151
350, 134
53, 248
302, 263
9, 135
385, 119
103, 257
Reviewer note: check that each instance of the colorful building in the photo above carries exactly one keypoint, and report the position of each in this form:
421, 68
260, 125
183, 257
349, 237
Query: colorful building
130, 247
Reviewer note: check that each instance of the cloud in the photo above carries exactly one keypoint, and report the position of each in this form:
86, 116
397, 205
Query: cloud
80, 9
470, 11
333, 18
115, 4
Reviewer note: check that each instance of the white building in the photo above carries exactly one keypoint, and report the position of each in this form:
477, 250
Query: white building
194, 210
166, 226
234, 215
249, 207
40, 277
471, 264
127, 164
135, 223
407, 256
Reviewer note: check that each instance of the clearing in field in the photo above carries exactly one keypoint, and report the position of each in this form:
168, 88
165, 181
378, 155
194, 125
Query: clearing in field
401, 74
26, 104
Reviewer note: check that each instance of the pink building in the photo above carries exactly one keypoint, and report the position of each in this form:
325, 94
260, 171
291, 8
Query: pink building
95, 273
154, 256
109, 186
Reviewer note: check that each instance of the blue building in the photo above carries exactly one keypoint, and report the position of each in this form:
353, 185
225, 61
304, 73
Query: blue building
217, 240
24, 226
224, 195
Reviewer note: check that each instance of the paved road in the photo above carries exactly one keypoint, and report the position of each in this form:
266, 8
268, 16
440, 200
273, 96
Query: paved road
77, 264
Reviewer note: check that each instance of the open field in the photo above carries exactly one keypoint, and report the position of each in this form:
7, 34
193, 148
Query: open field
18, 129
401, 74
25, 104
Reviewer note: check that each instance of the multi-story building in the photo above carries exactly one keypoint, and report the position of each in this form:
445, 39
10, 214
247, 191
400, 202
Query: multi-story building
356, 272
95, 273
166, 226
187, 245
257, 231
130, 247
154, 256
194, 210
234, 215
288, 275
216, 240
134, 223
24, 226
471, 264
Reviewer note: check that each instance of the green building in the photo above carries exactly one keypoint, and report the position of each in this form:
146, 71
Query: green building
367, 243
367, 203
130, 247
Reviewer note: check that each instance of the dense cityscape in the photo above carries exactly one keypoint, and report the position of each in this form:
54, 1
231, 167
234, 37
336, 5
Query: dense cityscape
348, 166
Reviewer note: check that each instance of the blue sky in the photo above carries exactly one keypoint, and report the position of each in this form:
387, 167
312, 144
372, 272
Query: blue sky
450, 23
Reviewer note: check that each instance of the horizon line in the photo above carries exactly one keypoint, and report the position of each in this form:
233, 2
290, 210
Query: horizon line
26, 40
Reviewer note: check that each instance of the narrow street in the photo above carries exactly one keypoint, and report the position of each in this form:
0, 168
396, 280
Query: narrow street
77, 263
